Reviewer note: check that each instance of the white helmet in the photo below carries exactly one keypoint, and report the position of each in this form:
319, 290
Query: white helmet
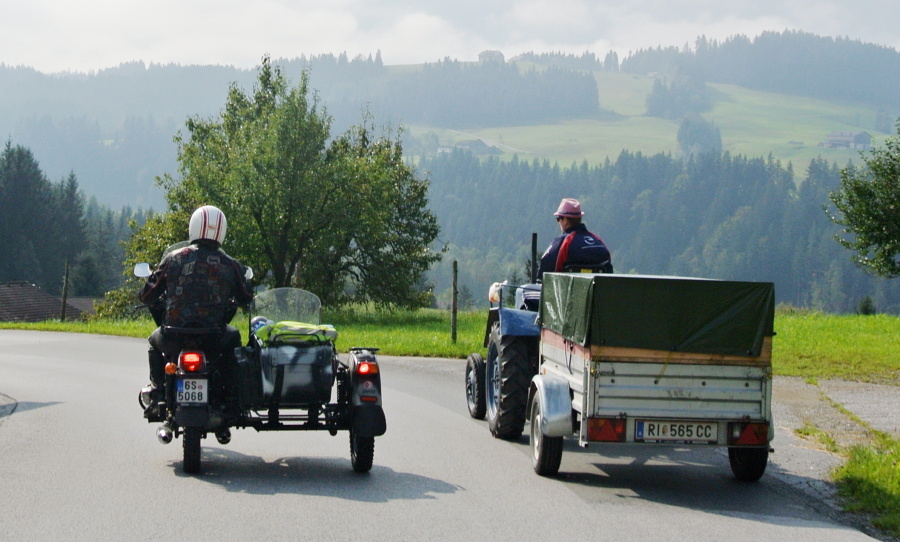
207, 222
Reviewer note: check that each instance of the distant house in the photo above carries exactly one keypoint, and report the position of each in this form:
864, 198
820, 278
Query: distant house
25, 302
848, 140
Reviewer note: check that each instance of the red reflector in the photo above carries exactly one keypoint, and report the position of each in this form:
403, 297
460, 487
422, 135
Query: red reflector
606, 429
369, 398
191, 361
754, 434
367, 368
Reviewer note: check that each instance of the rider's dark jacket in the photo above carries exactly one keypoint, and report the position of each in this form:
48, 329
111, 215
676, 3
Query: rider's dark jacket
576, 246
201, 285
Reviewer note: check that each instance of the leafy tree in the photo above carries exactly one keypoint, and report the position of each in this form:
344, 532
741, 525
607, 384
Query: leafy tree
345, 218
868, 203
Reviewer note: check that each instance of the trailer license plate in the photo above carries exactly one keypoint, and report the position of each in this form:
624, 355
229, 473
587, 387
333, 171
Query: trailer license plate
192, 390
675, 431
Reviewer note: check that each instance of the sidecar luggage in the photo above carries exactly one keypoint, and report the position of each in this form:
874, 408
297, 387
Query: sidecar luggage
297, 376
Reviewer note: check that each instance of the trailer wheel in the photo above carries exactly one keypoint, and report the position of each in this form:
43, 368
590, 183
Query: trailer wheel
506, 384
475, 386
546, 452
748, 464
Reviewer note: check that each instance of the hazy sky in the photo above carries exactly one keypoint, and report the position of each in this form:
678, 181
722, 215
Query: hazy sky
59, 35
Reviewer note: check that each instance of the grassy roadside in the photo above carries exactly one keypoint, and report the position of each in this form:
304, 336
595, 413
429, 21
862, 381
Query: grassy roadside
811, 345
807, 344
419, 333
856, 348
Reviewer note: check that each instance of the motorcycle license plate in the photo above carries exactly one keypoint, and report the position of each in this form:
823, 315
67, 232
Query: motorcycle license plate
676, 431
192, 390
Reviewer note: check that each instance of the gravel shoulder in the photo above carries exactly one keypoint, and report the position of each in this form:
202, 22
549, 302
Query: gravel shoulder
805, 463
877, 405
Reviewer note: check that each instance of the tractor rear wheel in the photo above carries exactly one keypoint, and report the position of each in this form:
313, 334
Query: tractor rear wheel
506, 384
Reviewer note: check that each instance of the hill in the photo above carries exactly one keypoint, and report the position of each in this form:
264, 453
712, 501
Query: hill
114, 128
503, 140
752, 123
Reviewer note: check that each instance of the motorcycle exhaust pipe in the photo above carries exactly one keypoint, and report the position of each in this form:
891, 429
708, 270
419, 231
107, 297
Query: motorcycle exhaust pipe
164, 434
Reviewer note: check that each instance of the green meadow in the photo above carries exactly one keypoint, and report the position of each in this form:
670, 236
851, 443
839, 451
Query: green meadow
752, 123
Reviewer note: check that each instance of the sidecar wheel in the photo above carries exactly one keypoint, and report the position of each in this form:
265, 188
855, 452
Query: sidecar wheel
192, 437
362, 452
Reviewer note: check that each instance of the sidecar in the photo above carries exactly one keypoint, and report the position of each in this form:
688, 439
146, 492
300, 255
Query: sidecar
290, 377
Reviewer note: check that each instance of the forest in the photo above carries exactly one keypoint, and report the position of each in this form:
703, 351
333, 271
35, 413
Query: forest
107, 135
789, 62
49, 229
710, 215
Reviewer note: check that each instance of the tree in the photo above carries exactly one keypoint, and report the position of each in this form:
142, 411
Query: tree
868, 203
345, 218
696, 135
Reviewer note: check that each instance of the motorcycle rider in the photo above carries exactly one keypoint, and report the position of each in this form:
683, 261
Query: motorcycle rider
576, 246
198, 285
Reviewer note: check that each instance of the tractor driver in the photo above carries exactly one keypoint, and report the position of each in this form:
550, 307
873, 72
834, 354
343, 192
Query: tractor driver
576, 247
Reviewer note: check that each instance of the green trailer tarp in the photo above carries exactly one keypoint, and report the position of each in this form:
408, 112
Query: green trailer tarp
679, 314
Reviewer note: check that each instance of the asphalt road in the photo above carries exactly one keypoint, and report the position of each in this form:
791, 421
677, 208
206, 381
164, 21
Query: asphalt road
78, 462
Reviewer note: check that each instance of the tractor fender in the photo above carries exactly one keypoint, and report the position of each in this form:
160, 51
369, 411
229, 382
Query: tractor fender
556, 404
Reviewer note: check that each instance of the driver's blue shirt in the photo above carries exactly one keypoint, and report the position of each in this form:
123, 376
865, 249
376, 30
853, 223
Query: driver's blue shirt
576, 246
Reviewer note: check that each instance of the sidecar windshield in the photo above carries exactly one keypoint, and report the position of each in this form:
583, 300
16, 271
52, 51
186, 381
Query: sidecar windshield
173, 247
287, 304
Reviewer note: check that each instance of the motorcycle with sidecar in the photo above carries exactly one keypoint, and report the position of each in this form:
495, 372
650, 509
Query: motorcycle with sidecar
288, 377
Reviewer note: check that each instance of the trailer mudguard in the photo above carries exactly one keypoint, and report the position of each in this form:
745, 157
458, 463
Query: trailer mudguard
556, 404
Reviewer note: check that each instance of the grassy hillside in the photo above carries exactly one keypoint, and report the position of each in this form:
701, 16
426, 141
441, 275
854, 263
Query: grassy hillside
752, 123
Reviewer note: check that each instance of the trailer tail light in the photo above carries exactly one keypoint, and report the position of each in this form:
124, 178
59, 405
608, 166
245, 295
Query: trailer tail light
748, 434
606, 429
367, 368
191, 362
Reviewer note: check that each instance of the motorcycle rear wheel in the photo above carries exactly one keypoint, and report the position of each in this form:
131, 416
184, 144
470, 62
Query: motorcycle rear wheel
191, 463
362, 452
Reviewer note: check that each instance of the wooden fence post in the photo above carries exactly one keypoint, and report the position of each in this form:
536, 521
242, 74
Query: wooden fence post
454, 305
65, 293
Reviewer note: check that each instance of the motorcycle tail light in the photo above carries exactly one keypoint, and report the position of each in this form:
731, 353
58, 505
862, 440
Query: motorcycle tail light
367, 368
191, 362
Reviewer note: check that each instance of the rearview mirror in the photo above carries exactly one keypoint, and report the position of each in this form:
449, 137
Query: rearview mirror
142, 270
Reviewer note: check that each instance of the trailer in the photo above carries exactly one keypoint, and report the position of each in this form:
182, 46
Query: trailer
643, 360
